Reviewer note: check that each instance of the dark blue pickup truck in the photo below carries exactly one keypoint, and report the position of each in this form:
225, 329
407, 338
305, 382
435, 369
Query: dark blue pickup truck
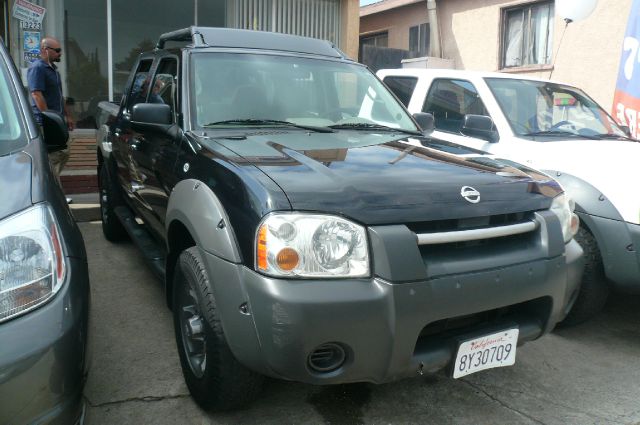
306, 227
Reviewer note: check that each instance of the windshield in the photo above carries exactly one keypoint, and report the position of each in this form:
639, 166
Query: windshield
10, 126
230, 88
539, 108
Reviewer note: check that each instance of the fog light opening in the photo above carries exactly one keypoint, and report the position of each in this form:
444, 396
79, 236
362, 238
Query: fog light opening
327, 358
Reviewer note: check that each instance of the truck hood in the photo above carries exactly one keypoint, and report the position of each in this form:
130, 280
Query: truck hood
385, 178
611, 166
15, 181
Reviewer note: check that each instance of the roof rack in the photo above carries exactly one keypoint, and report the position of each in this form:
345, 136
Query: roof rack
186, 34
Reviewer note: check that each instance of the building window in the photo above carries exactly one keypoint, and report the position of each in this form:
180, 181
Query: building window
379, 40
419, 41
527, 35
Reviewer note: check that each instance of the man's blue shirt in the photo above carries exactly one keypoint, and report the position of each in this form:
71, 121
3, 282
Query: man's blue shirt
45, 78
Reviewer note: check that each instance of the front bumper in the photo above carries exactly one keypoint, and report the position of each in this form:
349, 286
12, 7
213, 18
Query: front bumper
43, 358
619, 244
388, 330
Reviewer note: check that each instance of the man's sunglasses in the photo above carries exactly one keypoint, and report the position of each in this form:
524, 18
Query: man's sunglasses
55, 49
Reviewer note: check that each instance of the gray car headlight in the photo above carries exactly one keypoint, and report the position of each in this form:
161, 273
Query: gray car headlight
32, 265
563, 206
312, 246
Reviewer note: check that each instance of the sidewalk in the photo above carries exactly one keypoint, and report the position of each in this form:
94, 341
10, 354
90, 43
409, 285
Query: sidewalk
79, 177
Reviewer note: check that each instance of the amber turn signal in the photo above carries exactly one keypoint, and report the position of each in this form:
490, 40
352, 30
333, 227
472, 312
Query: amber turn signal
261, 248
287, 259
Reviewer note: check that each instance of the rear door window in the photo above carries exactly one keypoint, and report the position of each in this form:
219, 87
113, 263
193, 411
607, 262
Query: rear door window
450, 100
402, 87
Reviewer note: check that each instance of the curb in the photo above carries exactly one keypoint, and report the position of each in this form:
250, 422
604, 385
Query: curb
85, 207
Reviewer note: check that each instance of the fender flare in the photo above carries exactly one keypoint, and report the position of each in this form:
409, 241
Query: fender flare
589, 200
590, 203
195, 206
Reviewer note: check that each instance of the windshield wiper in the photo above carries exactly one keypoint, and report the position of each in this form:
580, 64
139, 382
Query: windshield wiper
616, 136
369, 126
254, 121
561, 133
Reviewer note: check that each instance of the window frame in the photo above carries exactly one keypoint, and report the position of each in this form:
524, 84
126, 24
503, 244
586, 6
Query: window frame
421, 33
504, 12
158, 68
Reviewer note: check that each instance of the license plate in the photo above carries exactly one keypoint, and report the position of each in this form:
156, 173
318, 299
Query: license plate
486, 352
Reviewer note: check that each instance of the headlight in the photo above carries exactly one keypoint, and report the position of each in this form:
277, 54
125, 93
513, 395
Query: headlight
311, 245
32, 266
563, 207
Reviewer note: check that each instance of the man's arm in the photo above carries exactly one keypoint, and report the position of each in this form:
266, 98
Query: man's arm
67, 113
38, 98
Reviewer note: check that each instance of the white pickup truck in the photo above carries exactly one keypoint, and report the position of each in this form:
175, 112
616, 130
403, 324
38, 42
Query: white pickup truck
560, 130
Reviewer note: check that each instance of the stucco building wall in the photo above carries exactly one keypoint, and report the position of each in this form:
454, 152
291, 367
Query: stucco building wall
588, 57
470, 32
396, 22
350, 27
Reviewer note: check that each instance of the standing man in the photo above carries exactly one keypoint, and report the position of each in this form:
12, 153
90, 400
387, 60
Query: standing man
46, 94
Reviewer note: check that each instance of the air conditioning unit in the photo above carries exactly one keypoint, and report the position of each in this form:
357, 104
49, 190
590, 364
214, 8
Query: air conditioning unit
428, 62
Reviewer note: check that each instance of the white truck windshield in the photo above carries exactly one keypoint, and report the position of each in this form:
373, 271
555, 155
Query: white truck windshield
539, 108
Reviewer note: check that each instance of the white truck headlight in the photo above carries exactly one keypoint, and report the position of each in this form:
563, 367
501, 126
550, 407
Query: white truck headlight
563, 206
32, 265
312, 246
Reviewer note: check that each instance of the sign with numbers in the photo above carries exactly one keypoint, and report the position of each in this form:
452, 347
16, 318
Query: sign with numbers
25, 11
30, 25
626, 100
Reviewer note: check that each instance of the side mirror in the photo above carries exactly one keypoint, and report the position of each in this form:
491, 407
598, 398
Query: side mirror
55, 131
626, 130
425, 121
146, 116
479, 126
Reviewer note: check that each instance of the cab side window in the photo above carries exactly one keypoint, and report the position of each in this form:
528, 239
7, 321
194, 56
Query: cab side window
164, 87
140, 86
402, 87
450, 100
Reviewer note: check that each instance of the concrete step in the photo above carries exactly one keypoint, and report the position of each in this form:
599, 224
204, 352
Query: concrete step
85, 207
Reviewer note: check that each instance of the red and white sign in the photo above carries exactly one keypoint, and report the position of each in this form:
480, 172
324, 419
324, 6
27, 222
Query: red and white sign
626, 100
25, 11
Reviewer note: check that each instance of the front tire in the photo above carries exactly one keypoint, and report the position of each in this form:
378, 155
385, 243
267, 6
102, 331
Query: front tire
112, 228
216, 380
594, 290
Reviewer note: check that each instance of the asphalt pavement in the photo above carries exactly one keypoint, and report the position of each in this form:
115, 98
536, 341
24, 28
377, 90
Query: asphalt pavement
589, 374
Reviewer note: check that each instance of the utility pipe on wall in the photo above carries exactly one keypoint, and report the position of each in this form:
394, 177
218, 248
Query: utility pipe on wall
434, 30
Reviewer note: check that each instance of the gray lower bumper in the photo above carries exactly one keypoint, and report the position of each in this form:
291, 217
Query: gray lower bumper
43, 357
389, 331
619, 244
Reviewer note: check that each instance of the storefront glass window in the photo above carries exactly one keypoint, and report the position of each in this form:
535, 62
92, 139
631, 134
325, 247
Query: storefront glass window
86, 58
136, 27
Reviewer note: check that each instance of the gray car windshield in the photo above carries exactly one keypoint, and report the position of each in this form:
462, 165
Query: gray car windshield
544, 109
230, 90
10, 125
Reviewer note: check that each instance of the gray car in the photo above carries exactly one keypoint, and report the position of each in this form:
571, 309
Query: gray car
44, 279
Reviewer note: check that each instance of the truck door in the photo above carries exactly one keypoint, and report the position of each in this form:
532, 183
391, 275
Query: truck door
156, 152
124, 138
